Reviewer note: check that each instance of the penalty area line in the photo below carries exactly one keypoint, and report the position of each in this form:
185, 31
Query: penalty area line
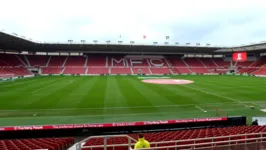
47, 86
200, 109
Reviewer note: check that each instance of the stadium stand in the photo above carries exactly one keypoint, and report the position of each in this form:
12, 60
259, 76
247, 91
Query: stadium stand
141, 69
252, 67
98, 70
208, 62
97, 60
199, 70
51, 70
37, 60
176, 62
74, 70
57, 61
120, 64
261, 71
184, 138
126, 70
160, 71
220, 62
75, 61
10, 60
192, 62
41, 143
184, 70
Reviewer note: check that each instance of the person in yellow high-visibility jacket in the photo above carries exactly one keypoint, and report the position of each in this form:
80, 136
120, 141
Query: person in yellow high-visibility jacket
142, 143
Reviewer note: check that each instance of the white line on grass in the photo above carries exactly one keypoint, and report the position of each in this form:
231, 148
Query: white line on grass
104, 108
224, 97
256, 104
188, 113
200, 109
22, 82
47, 86
159, 106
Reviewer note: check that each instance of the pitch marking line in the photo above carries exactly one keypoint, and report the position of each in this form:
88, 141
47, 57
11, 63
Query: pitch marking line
256, 104
203, 91
160, 106
104, 108
188, 113
48, 86
200, 109
22, 82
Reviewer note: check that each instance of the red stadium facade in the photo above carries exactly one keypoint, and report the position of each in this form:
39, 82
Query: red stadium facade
93, 64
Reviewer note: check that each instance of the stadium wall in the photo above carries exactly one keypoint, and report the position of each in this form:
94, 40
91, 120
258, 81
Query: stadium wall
116, 128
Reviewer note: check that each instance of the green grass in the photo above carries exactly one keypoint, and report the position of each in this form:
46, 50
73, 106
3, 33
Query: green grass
98, 99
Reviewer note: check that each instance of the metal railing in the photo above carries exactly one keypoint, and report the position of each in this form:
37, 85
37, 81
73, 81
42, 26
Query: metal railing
199, 143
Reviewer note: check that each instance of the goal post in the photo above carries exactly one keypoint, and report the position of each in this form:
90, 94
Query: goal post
7, 77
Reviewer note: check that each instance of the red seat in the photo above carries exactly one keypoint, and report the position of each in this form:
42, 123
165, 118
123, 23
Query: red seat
45, 143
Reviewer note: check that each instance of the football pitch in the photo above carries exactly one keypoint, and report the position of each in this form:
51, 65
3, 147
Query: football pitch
98, 99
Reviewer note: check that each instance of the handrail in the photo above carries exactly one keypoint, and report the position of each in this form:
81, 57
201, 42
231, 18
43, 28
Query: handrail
78, 146
179, 141
208, 143
191, 145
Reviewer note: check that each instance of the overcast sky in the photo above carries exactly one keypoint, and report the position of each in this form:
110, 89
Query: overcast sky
218, 22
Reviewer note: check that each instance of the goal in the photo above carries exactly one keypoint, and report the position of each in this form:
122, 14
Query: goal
7, 77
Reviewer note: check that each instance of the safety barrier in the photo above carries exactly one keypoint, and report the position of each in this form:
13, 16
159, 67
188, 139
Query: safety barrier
254, 140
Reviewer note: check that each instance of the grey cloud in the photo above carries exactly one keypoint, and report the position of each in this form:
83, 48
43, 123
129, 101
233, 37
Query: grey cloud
228, 22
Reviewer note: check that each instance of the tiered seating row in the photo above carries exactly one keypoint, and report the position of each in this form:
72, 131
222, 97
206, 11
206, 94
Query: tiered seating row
37, 60
180, 135
14, 71
52, 70
10, 60
44, 143
117, 64
74, 70
261, 71
76, 61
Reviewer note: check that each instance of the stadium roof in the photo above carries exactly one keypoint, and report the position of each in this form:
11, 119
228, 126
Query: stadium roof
252, 47
12, 42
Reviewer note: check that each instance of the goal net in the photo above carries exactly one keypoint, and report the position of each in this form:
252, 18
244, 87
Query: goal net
7, 77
